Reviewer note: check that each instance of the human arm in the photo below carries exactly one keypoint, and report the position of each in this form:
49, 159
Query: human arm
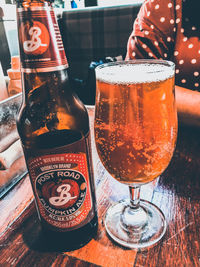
153, 36
188, 106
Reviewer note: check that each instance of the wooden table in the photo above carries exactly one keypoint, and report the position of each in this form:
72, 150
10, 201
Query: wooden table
176, 192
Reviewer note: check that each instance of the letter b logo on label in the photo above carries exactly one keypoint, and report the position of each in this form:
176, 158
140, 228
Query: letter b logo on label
64, 196
35, 38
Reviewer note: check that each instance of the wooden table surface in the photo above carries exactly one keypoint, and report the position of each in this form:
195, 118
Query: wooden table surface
176, 192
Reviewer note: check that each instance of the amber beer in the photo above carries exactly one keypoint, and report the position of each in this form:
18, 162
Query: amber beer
54, 129
135, 125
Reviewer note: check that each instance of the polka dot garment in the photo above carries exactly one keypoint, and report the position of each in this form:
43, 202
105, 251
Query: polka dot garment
161, 32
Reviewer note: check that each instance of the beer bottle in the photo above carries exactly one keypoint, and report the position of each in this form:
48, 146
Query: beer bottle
53, 126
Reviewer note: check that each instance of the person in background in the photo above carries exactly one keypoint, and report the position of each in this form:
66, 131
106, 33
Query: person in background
170, 30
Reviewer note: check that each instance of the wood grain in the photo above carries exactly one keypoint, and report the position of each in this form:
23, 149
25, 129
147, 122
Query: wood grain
176, 192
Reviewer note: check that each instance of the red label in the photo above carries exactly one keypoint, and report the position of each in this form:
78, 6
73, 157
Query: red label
41, 46
62, 189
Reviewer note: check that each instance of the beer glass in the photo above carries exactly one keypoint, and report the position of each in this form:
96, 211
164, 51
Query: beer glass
135, 134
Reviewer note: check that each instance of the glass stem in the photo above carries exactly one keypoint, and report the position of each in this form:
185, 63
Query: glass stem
133, 217
134, 197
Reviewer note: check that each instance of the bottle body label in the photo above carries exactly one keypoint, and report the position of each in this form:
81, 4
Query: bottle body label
61, 184
41, 46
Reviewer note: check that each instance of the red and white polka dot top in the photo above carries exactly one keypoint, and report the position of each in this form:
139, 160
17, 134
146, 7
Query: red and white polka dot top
160, 31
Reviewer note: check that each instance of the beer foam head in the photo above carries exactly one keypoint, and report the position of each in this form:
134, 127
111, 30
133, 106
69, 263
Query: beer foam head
134, 73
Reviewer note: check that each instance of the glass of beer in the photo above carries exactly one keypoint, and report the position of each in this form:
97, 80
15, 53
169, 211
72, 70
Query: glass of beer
135, 134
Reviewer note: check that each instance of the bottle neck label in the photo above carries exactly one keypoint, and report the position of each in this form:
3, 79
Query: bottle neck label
61, 183
40, 42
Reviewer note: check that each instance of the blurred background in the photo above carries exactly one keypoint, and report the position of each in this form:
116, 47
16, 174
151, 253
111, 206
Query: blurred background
8, 32
93, 31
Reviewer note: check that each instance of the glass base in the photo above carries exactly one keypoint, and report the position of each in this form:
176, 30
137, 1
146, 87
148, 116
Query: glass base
150, 229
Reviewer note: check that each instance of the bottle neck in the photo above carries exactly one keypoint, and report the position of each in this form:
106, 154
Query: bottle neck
40, 43
46, 87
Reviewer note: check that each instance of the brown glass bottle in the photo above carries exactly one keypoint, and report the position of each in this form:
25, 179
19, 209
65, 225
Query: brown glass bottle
53, 126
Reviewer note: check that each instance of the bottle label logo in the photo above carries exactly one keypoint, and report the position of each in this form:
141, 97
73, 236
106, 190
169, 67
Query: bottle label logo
38, 38
40, 41
64, 197
62, 189
61, 192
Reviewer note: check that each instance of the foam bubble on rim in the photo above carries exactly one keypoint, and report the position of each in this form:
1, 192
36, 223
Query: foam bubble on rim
134, 73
